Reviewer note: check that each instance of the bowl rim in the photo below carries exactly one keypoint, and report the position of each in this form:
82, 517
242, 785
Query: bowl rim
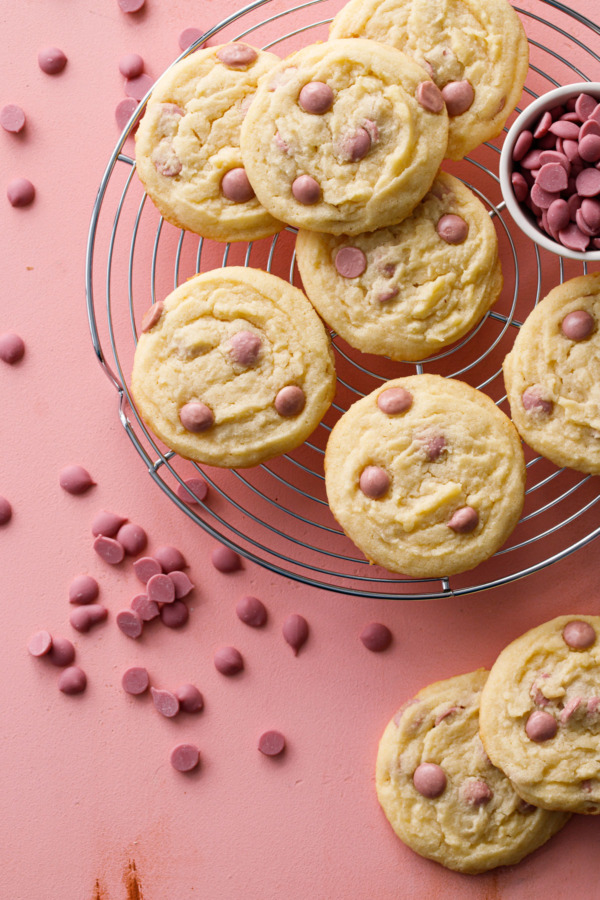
523, 120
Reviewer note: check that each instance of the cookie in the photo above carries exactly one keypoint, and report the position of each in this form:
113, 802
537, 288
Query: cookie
440, 792
233, 368
408, 290
344, 137
425, 475
476, 52
540, 714
187, 144
552, 376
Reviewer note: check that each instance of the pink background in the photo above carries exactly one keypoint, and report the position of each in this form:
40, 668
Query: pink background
87, 789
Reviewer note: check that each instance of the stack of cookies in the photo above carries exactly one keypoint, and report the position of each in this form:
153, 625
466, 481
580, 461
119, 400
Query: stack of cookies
481, 769
343, 140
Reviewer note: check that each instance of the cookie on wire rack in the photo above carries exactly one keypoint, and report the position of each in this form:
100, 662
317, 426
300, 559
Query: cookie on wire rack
233, 368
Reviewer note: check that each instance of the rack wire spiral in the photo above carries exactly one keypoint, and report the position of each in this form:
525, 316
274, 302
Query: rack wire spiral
277, 514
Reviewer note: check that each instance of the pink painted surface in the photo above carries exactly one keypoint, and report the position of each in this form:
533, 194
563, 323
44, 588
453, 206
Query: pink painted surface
88, 791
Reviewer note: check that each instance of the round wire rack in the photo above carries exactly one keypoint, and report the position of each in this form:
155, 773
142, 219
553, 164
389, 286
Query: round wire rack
277, 514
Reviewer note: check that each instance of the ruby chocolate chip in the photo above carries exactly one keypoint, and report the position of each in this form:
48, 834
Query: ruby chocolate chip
135, 680
190, 698
458, 97
193, 490
452, 229
376, 637
133, 538
235, 185
131, 65
109, 549
306, 190
152, 316
124, 110
62, 652
237, 56
85, 617
196, 416
244, 347
182, 584
228, 661
295, 631
20, 192
83, 590
251, 611
12, 118
146, 567
464, 520
225, 560
185, 757
146, 609
12, 348
107, 523
350, 262
160, 589
72, 680
534, 402
394, 401
52, 60
40, 643
579, 635
165, 702
430, 97
174, 615
374, 482
476, 793
75, 479
316, 97
355, 145
290, 401
130, 623
541, 726
577, 325
188, 37
131, 6
5, 511
429, 780
170, 558
271, 743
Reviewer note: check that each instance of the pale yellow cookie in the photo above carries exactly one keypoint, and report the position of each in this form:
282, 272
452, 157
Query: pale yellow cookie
540, 714
426, 475
552, 375
476, 51
440, 792
233, 368
408, 290
338, 138
187, 145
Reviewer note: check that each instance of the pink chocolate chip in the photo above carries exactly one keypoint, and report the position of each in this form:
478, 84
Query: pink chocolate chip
146, 567
225, 559
72, 680
306, 190
579, 635
12, 348
170, 558
355, 145
430, 97
40, 643
107, 523
190, 698
188, 37
589, 147
316, 97
146, 609
109, 549
137, 88
20, 192
295, 631
165, 702
235, 185
458, 97
228, 661
244, 347
566, 130
135, 680
394, 401
51, 60
130, 623
350, 262
374, 482
131, 65
152, 316
522, 145
541, 726
519, 186
573, 238
131, 6
477, 793
290, 400
12, 118
376, 637
251, 611
83, 590
182, 584
62, 652
590, 210
194, 491
558, 214
85, 617
161, 589
585, 105
577, 325
196, 417
552, 177
452, 229
534, 403
75, 479
174, 615
588, 182
124, 110
570, 707
5, 511
237, 56
133, 538
185, 757
271, 743
464, 520
429, 780
543, 125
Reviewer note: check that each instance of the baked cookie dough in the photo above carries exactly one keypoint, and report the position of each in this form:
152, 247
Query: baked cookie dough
440, 792
552, 376
344, 137
540, 714
187, 144
408, 290
425, 475
476, 52
233, 368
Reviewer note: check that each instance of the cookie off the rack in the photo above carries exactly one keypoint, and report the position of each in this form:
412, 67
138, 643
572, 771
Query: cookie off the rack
439, 790
187, 144
233, 368
475, 51
426, 476
408, 290
344, 137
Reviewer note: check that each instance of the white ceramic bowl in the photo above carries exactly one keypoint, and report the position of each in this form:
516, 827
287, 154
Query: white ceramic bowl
521, 215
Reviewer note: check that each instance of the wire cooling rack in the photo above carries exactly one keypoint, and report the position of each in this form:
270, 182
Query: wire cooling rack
277, 514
